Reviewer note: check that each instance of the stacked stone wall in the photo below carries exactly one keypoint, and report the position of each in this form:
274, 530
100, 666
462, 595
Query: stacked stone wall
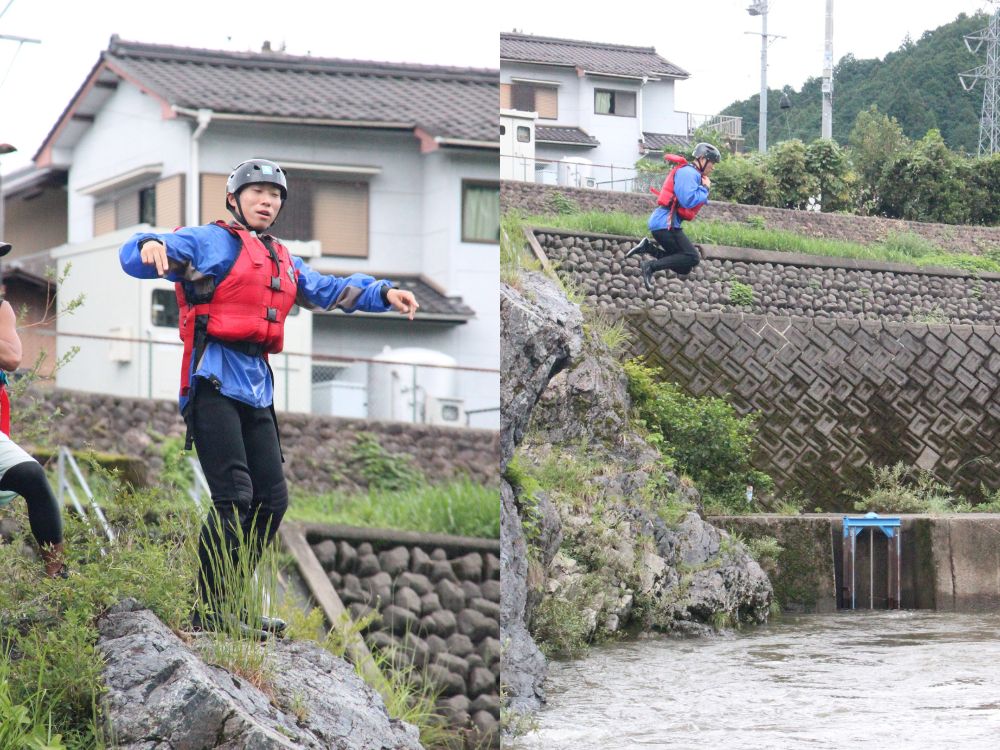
317, 449
439, 604
841, 371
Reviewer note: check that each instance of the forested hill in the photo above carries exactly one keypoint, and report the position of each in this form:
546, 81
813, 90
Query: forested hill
917, 84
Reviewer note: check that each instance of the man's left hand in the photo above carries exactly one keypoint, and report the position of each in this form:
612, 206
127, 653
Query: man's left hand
402, 301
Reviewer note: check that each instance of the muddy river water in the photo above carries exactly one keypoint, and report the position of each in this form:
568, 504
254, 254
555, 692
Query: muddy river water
911, 679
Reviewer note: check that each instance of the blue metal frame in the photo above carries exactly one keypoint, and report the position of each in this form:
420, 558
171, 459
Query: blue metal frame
891, 526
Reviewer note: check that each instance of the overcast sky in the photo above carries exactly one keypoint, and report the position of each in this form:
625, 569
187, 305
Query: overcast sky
37, 81
707, 37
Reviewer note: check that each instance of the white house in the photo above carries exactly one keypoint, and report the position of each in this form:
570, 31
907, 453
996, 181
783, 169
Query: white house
599, 108
392, 171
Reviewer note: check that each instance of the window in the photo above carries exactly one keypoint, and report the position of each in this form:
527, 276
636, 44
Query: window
147, 206
164, 309
480, 212
523, 134
532, 97
621, 103
158, 204
335, 212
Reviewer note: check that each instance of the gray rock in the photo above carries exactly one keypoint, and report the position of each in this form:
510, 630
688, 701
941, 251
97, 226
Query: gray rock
451, 595
347, 558
351, 582
435, 645
471, 590
416, 649
420, 561
468, 567
453, 663
416, 581
157, 687
488, 608
481, 680
476, 625
491, 591
429, 603
489, 649
460, 644
441, 571
443, 678
441, 623
438, 555
367, 565
407, 598
399, 620
455, 706
326, 553
487, 726
491, 567
395, 560
486, 702
336, 580
365, 548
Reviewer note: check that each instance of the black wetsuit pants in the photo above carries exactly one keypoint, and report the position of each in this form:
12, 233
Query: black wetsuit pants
28, 480
679, 254
240, 454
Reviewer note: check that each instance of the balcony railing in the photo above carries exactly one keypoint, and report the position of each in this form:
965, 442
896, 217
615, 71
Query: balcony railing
729, 126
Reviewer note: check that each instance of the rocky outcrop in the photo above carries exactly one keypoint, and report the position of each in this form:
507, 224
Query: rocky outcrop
161, 694
540, 333
619, 543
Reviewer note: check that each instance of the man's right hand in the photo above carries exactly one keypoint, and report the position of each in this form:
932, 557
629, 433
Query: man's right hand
154, 252
705, 181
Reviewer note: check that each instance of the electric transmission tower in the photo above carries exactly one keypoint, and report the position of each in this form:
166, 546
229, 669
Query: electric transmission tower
989, 120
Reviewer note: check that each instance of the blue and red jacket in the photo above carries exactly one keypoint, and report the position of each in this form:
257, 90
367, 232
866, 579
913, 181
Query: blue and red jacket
689, 194
228, 277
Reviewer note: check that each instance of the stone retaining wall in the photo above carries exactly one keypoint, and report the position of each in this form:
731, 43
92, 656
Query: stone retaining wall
532, 198
842, 376
782, 283
439, 601
317, 449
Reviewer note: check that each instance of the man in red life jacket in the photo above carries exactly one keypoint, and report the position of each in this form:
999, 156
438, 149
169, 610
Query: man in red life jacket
684, 192
20, 474
235, 285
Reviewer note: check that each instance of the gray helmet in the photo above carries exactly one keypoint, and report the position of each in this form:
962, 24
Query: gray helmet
708, 151
254, 171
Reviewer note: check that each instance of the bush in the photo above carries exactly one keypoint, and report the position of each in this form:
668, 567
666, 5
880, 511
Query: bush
904, 489
703, 436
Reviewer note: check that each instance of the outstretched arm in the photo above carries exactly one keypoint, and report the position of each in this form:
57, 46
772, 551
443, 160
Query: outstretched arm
10, 342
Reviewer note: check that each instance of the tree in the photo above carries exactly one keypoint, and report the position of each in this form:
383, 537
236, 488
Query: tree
875, 140
925, 183
743, 178
827, 162
787, 164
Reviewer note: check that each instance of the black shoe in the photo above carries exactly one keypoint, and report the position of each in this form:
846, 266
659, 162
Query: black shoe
268, 624
211, 623
642, 247
647, 274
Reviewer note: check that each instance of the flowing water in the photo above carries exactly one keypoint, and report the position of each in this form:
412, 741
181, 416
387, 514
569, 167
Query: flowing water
909, 679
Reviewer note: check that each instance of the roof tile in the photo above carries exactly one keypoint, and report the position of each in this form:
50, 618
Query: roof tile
593, 57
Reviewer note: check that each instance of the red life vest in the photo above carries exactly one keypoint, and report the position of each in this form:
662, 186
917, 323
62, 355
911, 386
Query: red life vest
246, 308
665, 195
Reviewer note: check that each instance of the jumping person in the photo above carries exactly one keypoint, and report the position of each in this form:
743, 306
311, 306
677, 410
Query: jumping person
235, 285
20, 474
683, 194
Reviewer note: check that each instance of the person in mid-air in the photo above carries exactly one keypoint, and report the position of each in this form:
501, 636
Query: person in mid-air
684, 192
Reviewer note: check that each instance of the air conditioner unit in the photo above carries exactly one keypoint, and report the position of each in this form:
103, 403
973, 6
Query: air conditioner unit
589, 182
120, 351
445, 411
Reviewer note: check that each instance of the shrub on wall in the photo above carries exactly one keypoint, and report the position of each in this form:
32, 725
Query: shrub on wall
702, 435
743, 179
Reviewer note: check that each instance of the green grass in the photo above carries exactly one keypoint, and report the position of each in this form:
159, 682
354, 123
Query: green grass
895, 248
460, 508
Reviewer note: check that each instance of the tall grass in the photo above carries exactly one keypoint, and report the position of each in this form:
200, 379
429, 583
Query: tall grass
895, 248
461, 507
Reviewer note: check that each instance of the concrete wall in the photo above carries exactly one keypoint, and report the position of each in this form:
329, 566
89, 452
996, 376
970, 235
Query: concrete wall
949, 563
842, 383
439, 604
317, 449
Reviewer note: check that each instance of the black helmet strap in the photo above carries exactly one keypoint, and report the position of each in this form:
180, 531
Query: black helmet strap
238, 211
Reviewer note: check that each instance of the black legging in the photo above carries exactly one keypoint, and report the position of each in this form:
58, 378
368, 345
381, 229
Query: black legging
28, 480
239, 452
679, 254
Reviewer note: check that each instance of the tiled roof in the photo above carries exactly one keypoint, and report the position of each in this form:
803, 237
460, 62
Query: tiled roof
592, 57
451, 103
564, 134
660, 141
433, 304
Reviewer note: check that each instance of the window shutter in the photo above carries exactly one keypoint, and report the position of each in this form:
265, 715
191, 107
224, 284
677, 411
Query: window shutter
546, 102
213, 198
504, 96
127, 211
340, 218
104, 218
523, 97
170, 202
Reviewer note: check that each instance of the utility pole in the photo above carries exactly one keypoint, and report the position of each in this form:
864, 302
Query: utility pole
759, 8
989, 121
827, 127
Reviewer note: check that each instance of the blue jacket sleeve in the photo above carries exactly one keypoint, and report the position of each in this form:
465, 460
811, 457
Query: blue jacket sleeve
206, 249
358, 291
688, 188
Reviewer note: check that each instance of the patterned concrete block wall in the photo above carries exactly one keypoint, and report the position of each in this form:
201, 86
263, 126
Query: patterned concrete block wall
830, 355
439, 602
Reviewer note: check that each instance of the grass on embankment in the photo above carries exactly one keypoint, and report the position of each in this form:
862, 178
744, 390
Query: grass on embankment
459, 508
906, 248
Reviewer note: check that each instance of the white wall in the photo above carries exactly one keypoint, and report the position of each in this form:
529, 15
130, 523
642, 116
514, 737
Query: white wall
658, 113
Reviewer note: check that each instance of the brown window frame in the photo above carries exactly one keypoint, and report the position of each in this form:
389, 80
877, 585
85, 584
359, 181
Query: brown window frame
518, 90
614, 93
